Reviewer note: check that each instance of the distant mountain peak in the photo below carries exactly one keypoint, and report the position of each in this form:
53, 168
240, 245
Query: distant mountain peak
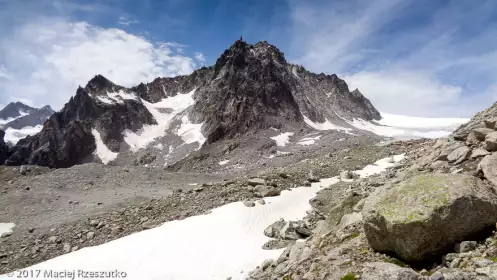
99, 81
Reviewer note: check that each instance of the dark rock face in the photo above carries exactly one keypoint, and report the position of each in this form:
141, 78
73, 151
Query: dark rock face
36, 117
4, 149
66, 138
251, 87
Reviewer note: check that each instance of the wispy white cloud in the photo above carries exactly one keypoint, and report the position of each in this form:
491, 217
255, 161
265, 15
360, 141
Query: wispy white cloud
123, 20
443, 66
200, 57
47, 58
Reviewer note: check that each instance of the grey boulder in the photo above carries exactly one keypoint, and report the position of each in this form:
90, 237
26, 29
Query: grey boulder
459, 155
420, 217
491, 142
488, 165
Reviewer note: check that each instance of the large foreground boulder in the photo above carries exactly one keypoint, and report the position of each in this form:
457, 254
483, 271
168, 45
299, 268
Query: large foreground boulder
425, 215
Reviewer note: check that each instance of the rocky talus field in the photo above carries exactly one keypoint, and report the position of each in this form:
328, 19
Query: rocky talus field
432, 216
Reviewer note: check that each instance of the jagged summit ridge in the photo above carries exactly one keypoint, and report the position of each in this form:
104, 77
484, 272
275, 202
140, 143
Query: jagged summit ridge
249, 89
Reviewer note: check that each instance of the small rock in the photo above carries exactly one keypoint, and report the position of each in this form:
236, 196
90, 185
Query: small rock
75, 248
437, 276
488, 165
349, 219
52, 239
256, 181
94, 223
148, 225
261, 201
265, 191
6, 234
311, 178
490, 123
67, 248
481, 133
275, 244
347, 175
482, 262
24, 169
90, 235
478, 152
459, 155
466, 246
491, 142
198, 189
249, 203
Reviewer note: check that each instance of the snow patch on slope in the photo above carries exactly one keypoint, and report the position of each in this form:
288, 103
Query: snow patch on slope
327, 125
223, 162
112, 98
6, 228
230, 244
21, 114
174, 105
309, 140
13, 135
104, 153
282, 139
191, 132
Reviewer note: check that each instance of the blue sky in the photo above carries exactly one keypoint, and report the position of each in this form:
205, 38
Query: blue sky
410, 57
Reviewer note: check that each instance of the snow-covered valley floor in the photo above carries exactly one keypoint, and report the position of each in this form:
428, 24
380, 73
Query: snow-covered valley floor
225, 243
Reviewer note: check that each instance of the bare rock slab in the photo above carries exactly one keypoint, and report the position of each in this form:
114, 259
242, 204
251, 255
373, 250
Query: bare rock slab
383, 270
421, 217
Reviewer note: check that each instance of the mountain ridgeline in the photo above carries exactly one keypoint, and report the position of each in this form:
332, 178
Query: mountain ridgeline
250, 88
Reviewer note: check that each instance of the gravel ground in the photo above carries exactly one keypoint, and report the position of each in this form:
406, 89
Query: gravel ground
64, 210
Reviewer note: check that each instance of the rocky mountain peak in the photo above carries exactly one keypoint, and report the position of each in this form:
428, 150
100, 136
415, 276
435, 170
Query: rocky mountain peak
15, 109
99, 82
250, 89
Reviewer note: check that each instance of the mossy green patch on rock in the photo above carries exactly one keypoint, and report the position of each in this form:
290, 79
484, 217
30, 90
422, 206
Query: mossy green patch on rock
350, 276
415, 197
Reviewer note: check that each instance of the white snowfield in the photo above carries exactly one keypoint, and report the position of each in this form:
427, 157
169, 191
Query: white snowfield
405, 127
225, 243
397, 126
163, 113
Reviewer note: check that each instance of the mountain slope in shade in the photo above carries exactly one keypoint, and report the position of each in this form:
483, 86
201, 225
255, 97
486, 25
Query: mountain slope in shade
4, 149
13, 111
19, 120
250, 89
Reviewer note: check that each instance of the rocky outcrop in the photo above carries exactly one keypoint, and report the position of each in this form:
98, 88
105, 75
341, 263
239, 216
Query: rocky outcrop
382, 270
4, 149
420, 217
66, 138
